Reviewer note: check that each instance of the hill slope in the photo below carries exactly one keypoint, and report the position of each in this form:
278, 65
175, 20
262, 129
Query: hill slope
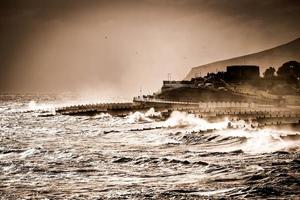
274, 57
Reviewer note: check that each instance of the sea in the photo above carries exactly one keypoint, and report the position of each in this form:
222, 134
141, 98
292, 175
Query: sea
44, 155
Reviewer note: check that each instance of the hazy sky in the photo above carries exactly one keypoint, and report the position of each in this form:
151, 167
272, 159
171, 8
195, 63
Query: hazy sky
115, 47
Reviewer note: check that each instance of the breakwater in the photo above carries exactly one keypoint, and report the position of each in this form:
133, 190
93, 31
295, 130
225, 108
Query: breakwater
262, 114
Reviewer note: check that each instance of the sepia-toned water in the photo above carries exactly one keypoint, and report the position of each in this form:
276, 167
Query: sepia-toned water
141, 156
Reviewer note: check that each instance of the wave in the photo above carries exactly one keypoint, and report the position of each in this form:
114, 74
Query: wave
137, 117
229, 135
223, 136
142, 117
265, 140
33, 106
102, 116
184, 120
153, 114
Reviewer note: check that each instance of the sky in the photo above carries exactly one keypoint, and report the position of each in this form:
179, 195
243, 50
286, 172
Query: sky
116, 48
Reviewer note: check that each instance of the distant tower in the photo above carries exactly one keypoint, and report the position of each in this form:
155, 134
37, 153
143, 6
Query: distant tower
169, 77
141, 92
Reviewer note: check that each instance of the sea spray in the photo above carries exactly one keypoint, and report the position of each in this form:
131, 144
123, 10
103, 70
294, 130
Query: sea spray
257, 140
102, 116
185, 120
137, 117
152, 113
75, 147
38, 107
32, 105
142, 117
265, 140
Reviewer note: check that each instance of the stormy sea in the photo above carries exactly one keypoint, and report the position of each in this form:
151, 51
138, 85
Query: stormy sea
140, 156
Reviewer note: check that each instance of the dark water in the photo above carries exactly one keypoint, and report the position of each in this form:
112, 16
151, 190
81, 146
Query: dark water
140, 157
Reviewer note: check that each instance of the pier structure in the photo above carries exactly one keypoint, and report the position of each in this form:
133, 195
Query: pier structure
123, 108
114, 108
262, 114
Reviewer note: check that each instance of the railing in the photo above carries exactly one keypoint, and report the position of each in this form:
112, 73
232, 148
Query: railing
145, 100
211, 104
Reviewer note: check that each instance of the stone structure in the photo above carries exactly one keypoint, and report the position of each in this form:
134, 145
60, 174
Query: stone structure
176, 84
242, 72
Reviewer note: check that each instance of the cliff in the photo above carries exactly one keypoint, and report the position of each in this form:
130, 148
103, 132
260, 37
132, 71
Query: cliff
273, 57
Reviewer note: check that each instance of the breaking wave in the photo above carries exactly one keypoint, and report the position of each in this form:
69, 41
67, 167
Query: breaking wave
229, 135
33, 106
152, 113
137, 117
102, 116
264, 140
184, 120
143, 152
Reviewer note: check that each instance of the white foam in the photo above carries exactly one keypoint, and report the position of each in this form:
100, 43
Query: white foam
263, 140
257, 140
32, 106
140, 138
214, 192
151, 113
27, 153
103, 116
137, 117
183, 120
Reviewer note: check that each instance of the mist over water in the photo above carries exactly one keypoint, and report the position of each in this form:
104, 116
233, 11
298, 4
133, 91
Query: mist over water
100, 51
141, 156
105, 49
